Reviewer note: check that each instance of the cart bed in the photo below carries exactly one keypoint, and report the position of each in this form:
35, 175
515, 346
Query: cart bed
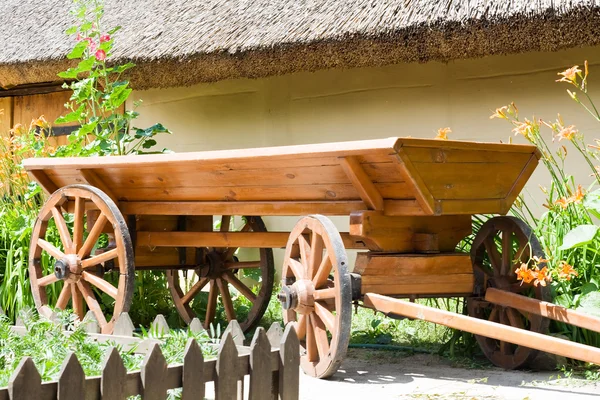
410, 176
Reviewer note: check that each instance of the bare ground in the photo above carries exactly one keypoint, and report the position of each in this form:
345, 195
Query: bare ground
375, 375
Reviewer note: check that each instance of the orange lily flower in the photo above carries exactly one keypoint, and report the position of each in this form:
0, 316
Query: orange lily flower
567, 133
541, 277
500, 113
569, 75
567, 271
443, 133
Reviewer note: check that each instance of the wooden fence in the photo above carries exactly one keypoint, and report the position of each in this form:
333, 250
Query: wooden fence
271, 362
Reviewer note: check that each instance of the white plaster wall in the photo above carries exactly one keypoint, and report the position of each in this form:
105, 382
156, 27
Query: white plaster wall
398, 100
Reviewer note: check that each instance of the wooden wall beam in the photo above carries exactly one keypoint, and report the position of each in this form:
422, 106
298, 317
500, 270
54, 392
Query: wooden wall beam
93, 179
44, 181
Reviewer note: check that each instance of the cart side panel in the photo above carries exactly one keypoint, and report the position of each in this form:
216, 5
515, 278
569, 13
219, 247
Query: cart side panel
460, 180
306, 179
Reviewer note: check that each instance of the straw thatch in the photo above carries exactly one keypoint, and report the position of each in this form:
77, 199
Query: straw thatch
182, 42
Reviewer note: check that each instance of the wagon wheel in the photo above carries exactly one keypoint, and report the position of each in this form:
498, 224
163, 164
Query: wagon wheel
499, 248
225, 274
317, 294
73, 272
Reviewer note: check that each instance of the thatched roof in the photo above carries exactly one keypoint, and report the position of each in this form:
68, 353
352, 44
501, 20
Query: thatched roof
183, 42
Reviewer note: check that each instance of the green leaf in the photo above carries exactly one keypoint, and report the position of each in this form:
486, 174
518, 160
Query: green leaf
122, 68
72, 30
113, 30
149, 143
579, 236
119, 96
71, 73
588, 287
70, 117
592, 202
151, 131
86, 65
78, 50
590, 303
86, 26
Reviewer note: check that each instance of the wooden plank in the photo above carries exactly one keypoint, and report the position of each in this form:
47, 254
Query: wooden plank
289, 356
444, 155
45, 183
153, 372
521, 181
412, 265
485, 328
463, 286
92, 178
25, 383
6, 116
463, 181
147, 239
260, 362
465, 145
275, 208
339, 149
193, 369
71, 381
226, 382
401, 234
194, 192
237, 334
114, 377
472, 206
362, 183
422, 194
543, 308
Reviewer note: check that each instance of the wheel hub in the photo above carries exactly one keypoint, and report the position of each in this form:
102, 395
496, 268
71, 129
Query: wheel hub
214, 266
298, 297
68, 268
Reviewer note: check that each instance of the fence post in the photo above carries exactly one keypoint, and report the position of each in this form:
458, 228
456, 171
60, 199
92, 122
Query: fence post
227, 370
275, 333
289, 364
114, 377
193, 371
25, 383
153, 374
90, 323
196, 326
236, 332
159, 326
123, 325
71, 381
261, 377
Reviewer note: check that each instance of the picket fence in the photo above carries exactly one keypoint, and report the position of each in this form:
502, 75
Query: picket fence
271, 362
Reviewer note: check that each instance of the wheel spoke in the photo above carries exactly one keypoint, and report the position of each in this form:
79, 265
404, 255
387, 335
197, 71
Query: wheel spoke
243, 264
211, 306
63, 231
90, 299
89, 243
506, 252
311, 345
514, 318
226, 299
228, 255
322, 273
297, 268
304, 252
225, 223
301, 327
316, 254
100, 258
198, 286
101, 284
324, 294
50, 249
77, 299
492, 251
320, 336
325, 316
63, 297
239, 285
47, 280
78, 224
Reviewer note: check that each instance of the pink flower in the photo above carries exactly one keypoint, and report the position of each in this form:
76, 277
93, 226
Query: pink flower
91, 43
104, 38
78, 38
100, 55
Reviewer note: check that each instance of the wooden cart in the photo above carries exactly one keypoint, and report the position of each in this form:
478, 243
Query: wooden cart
410, 202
